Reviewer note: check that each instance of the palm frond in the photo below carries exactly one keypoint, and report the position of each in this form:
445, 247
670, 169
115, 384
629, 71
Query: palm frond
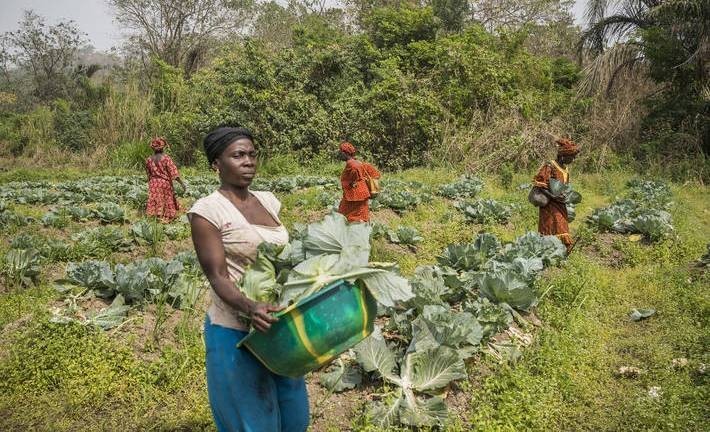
594, 38
601, 73
617, 27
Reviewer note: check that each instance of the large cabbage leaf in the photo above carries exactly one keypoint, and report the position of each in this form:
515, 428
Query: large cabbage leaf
426, 371
375, 356
440, 326
507, 286
534, 245
317, 272
428, 287
259, 283
333, 235
94, 275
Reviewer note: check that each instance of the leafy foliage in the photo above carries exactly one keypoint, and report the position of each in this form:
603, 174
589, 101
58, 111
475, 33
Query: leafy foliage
20, 267
331, 250
466, 187
471, 256
405, 235
507, 286
93, 275
148, 232
109, 213
644, 212
485, 211
533, 245
420, 373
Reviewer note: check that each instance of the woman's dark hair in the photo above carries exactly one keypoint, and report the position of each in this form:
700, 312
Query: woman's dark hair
219, 139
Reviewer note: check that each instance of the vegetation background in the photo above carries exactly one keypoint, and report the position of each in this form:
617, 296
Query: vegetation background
426, 90
445, 82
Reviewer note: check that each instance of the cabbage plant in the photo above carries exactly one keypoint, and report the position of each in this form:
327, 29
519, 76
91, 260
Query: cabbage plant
485, 211
418, 379
465, 187
329, 251
20, 267
405, 235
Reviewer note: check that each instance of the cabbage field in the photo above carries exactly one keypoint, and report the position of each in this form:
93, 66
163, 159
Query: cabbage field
482, 323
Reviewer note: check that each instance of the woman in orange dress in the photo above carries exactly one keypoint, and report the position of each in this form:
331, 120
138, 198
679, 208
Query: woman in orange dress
553, 217
161, 172
354, 205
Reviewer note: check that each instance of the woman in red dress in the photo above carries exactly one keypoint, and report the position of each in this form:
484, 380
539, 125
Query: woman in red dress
161, 172
354, 205
553, 217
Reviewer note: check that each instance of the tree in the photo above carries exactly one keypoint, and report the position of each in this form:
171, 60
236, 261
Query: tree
667, 41
452, 13
46, 53
515, 14
179, 32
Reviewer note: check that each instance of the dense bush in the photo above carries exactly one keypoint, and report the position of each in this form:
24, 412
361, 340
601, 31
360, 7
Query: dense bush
392, 90
389, 90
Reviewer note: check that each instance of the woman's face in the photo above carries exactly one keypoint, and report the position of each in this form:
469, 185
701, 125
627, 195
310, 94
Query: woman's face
567, 159
343, 156
237, 163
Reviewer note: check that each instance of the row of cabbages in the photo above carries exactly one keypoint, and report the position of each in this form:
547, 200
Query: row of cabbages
434, 321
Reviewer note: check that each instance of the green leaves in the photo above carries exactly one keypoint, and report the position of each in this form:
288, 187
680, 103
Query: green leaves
441, 326
94, 275
533, 245
485, 211
259, 283
470, 256
425, 371
148, 232
375, 356
405, 235
507, 286
342, 377
430, 370
643, 213
20, 266
331, 250
398, 200
429, 287
466, 187
386, 287
333, 235
109, 213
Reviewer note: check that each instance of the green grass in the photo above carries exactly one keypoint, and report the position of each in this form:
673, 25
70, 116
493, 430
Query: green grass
66, 378
568, 381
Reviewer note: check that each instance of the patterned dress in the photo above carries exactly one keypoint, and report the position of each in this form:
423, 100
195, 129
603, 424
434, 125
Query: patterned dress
354, 204
161, 196
553, 217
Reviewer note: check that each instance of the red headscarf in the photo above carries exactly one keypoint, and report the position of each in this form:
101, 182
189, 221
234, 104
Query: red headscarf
158, 143
347, 148
566, 147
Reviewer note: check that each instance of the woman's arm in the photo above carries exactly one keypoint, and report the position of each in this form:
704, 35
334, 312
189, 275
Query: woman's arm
173, 171
210, 254
179, 180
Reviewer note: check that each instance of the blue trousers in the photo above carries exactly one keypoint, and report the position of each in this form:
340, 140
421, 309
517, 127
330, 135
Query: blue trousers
244, 395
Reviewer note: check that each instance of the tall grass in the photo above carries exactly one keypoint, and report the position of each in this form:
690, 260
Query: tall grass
122, 126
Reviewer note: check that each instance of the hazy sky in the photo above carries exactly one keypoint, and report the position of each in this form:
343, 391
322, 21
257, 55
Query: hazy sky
91, 16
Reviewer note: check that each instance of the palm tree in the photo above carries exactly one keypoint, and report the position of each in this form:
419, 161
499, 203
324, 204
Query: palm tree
666, 40
619, 42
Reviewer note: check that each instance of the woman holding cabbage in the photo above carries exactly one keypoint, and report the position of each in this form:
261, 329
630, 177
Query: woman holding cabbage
553, 219
227, 227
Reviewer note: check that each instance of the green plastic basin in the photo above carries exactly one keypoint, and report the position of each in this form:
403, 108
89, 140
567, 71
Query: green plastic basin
314, 331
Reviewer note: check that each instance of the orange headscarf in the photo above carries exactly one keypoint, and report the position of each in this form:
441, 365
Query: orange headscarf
158, 143
347, 148
566, 147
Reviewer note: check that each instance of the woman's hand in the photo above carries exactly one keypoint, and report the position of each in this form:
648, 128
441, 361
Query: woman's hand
260, 315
